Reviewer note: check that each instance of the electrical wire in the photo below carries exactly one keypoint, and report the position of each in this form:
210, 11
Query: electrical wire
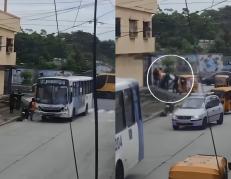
72, 140
89, 21
77, 13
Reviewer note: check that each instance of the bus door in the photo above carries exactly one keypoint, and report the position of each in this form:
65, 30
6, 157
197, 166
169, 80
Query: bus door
138, 118
79, 102
132, 135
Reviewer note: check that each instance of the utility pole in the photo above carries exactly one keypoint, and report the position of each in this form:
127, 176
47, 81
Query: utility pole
5, 5
94, 91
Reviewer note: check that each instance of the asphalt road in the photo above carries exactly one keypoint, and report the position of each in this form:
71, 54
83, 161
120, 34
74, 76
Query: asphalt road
43, 150
164, 146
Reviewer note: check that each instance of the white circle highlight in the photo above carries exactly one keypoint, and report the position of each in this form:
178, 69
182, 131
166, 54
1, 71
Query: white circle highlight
171, 102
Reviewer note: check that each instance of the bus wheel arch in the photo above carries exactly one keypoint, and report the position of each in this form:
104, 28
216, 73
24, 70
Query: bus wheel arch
119, 172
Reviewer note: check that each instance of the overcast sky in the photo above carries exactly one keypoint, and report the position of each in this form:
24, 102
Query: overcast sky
40, 14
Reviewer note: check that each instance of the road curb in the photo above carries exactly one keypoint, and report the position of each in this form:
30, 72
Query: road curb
156, 114
15, 118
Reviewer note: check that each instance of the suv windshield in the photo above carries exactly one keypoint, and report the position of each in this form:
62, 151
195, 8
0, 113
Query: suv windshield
193, 103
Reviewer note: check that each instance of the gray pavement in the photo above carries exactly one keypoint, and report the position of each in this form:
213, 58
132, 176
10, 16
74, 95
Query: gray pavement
42, 150
164, 146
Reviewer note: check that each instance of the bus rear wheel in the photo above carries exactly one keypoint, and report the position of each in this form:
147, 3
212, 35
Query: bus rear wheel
119, 170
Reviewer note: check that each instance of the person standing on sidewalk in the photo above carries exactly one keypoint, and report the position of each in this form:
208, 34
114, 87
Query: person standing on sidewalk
156, 76
12, 102
32, 107
19, 99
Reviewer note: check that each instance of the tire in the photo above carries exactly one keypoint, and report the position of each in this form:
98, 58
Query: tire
175, 127
73, 114
119, 173
204, 123
220, 120
86, 110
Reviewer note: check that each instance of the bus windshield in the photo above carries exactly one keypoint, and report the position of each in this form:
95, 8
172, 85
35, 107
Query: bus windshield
52, 94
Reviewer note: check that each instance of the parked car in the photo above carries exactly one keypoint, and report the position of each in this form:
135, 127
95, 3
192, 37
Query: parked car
198, 111
209, 80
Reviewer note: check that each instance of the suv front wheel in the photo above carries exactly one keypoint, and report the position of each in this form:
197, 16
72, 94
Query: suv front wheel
220, 120
204, 123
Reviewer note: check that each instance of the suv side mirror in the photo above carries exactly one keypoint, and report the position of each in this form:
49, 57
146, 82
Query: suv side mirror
207, 106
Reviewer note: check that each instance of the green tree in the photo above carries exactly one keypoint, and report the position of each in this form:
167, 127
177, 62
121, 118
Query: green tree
27, 77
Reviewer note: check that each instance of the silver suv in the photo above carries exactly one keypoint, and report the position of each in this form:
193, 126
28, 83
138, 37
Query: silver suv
198, 111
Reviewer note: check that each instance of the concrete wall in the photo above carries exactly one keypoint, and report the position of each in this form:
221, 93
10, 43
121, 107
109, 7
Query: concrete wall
2, 77
129, 67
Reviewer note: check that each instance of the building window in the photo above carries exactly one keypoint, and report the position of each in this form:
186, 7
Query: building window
133, 29
118, 27
9, 45
146, 30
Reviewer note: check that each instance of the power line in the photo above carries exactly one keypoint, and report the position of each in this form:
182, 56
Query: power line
89, 21
102, 33
210, 7
77, 13
41, 3
65, 10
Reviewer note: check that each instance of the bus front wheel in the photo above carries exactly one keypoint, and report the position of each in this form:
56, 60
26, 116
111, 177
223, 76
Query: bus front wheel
119, 170
73, 114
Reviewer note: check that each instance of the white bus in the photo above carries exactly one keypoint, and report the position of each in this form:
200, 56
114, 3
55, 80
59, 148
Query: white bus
129, 142
64, 97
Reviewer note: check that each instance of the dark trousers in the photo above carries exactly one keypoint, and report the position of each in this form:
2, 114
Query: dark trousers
11, 108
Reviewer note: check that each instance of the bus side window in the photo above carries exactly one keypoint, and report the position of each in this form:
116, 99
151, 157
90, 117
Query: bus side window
74, 89
120, 116
80, 88
128, 107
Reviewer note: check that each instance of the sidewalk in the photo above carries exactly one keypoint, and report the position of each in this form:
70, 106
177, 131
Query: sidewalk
5, 115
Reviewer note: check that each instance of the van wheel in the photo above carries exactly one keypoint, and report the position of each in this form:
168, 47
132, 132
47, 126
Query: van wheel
204, 123
119, 170
86, 110
220, 121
